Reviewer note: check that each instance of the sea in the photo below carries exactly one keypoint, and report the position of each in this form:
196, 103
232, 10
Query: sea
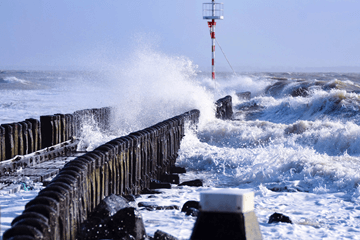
295, 142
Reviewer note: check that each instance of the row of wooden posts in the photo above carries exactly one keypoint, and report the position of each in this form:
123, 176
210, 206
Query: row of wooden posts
125, 165
31, 135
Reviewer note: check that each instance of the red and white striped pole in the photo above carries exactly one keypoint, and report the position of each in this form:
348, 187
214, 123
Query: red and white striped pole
212, 25
212, 11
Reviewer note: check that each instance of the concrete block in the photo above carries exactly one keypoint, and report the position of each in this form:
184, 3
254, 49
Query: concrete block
226, 214
227, 200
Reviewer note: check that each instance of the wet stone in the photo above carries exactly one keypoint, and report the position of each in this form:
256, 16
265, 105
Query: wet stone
170, 178
130, 197
190, 204
155, 184
110, 205
192, 212
150, 191
175, 169
114, 218
127, 221
193, 183
150, 206
152, 196
160, 235
278, 217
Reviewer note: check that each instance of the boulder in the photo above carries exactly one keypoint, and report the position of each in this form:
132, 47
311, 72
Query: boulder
109, 206
170, 178
113, 218
192, 212
193, 183
156, 184
175, 169
149, 191
278, 217
130, 197
127, 221
160, 235
190, 204
150, 206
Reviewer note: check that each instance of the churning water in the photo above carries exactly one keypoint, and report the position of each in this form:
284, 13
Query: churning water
295, 142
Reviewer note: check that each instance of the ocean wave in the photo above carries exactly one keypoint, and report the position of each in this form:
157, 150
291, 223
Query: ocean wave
280, 167
333, 138
304, 88
13, 79
320, 104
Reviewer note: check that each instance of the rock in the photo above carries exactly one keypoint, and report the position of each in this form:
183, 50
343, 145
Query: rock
160, 235
244, 95
147, 205
278, 217
170, 178
149, 191
113, 218
150, 206
190, 204
171, 207
152, 196
284, 189
192, 212
130, 197
193, 183
174, 169
127, 221
155, 184
109, 206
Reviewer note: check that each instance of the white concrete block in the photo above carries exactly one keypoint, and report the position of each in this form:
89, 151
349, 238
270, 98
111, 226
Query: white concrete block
227, 200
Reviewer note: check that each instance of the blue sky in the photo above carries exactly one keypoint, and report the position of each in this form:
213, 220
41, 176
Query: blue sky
255, 34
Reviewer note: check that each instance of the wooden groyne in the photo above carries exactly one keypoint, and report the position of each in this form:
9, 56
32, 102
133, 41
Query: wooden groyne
31, 135
122, 166
32, 143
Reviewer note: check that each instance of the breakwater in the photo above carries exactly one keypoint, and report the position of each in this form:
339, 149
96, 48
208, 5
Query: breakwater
30, 142
31, 135
125, 165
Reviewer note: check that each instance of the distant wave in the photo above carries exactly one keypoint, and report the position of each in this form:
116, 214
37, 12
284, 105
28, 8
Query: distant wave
302, 88
13, 79
289, 101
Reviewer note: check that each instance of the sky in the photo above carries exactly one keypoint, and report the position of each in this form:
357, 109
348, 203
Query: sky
254, 35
